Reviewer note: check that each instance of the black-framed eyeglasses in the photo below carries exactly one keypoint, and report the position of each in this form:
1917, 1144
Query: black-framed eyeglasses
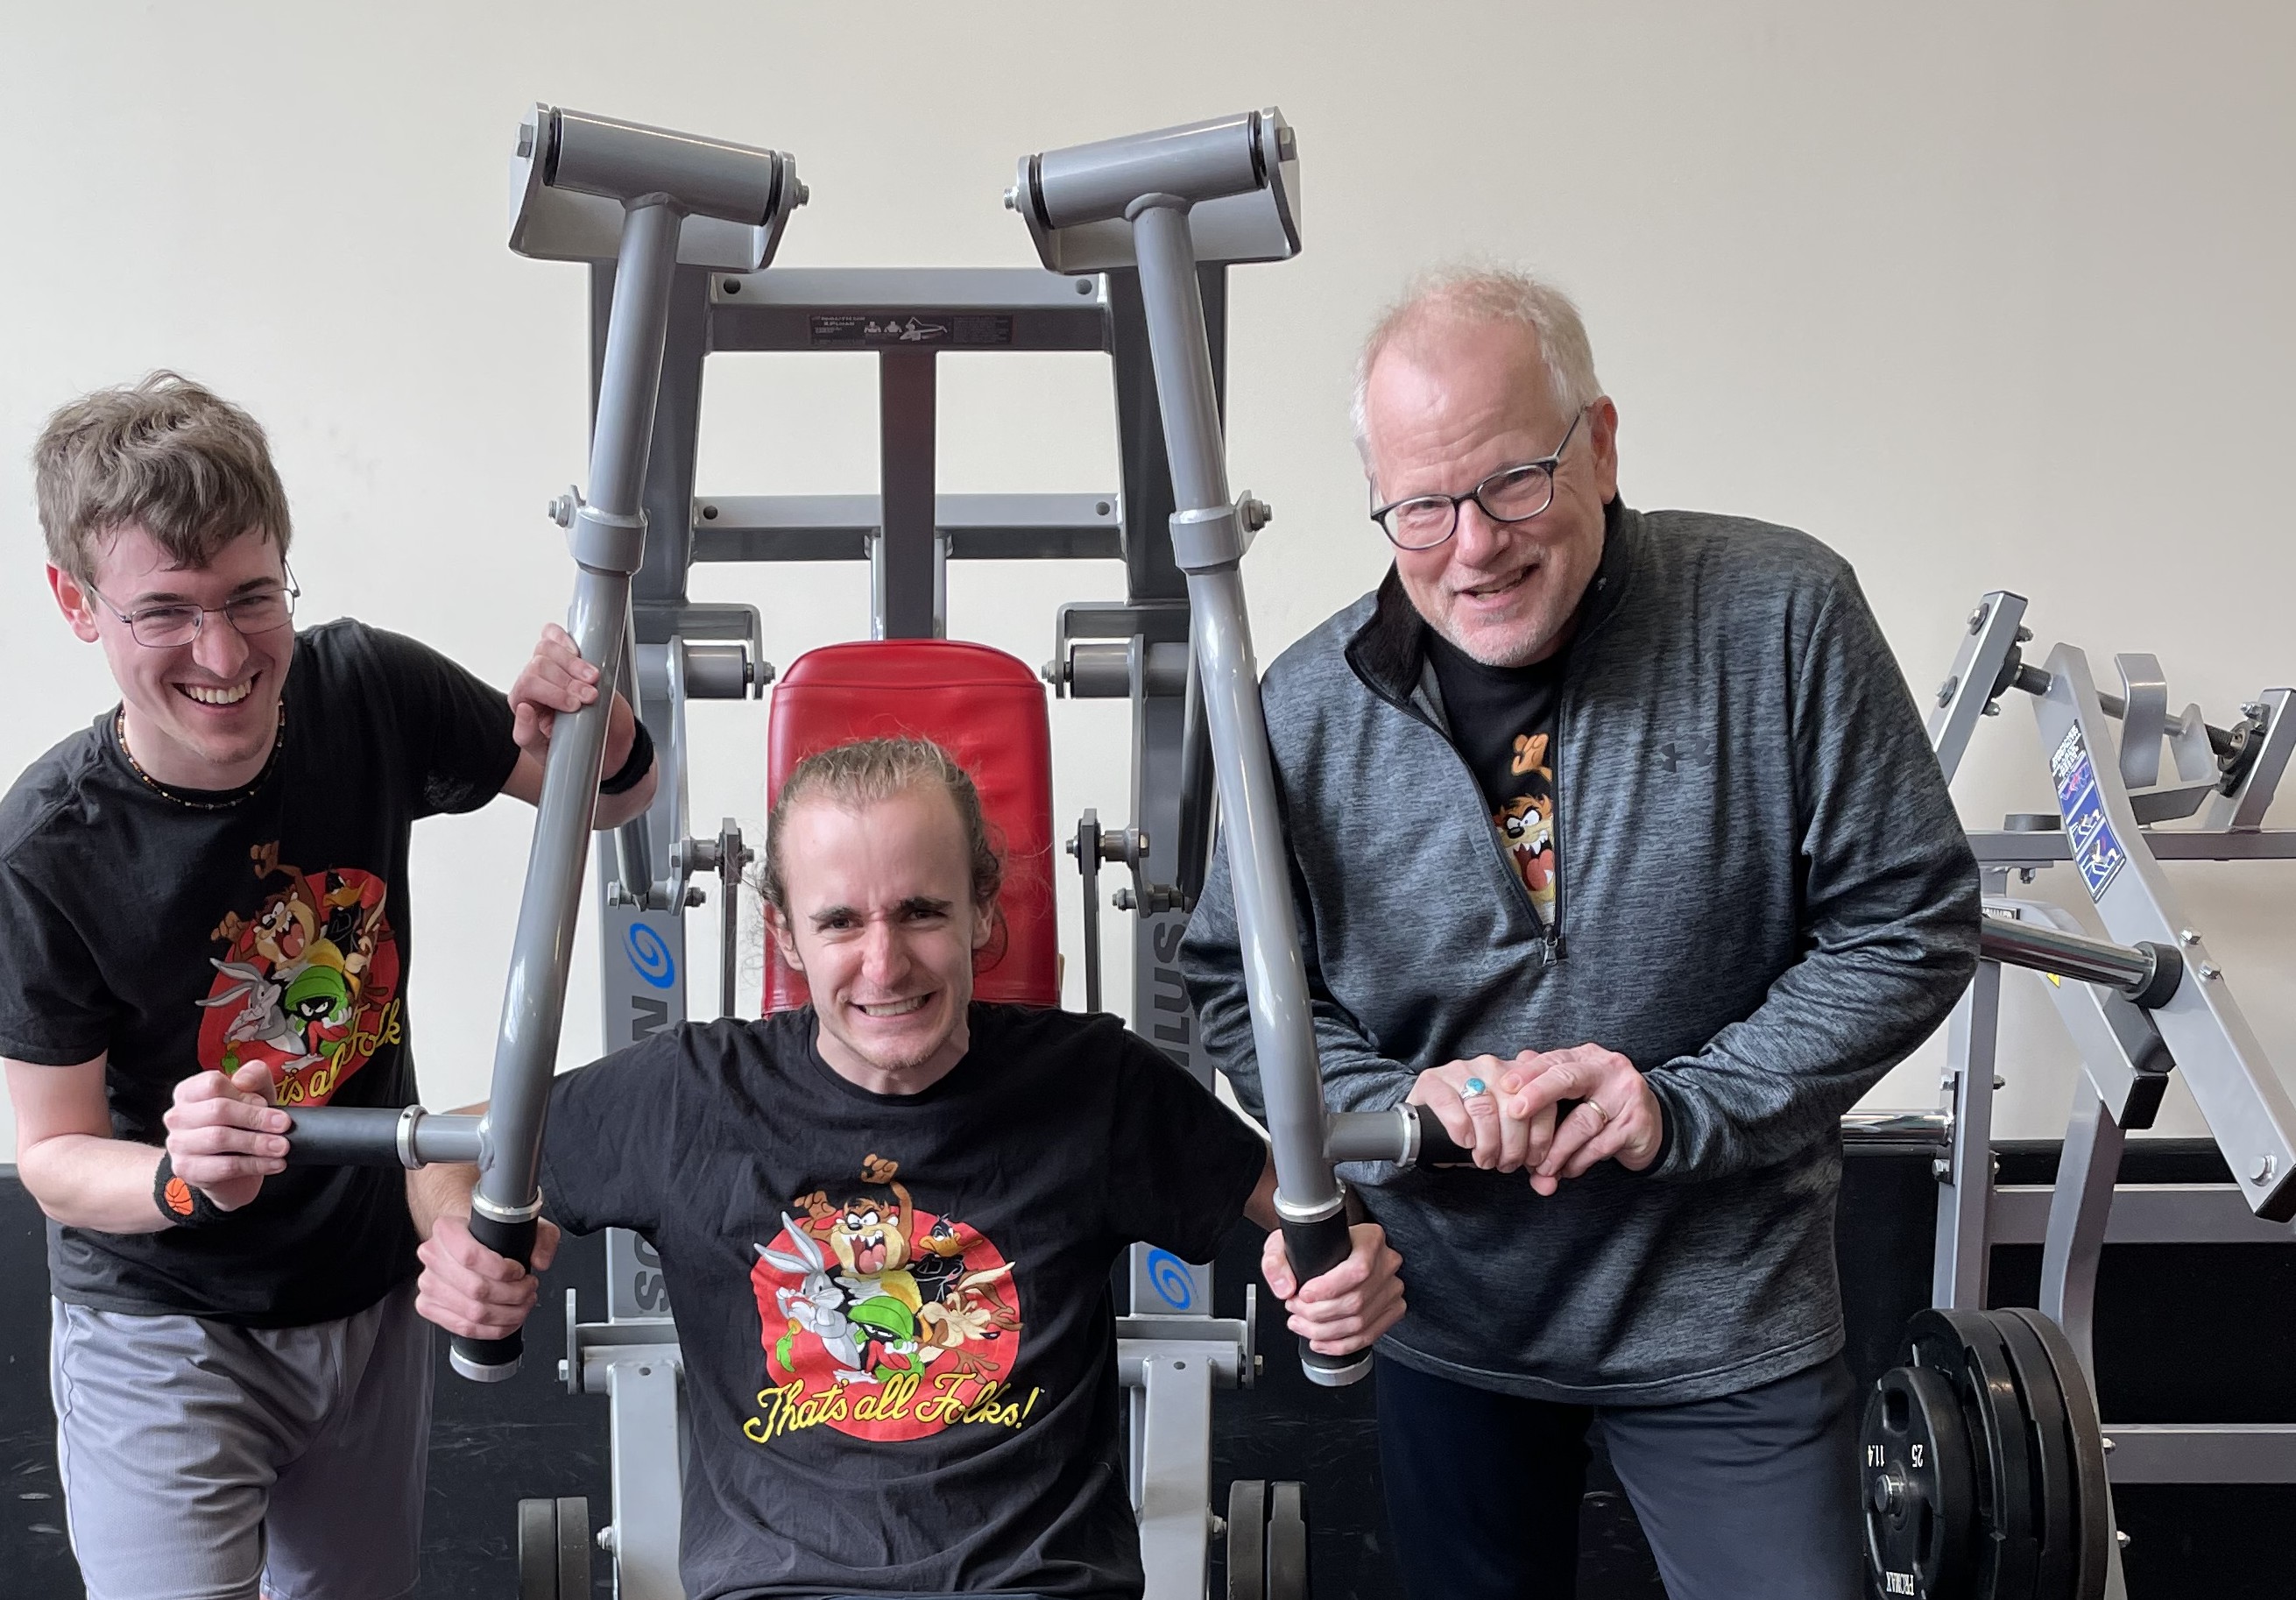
1514, 494
177, 623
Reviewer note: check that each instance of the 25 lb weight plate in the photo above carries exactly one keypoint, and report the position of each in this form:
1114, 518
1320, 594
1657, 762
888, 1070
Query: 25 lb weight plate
1966, 1350
1920, 1487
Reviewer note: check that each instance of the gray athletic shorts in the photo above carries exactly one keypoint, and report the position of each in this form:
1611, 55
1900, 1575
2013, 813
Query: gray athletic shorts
206, 1462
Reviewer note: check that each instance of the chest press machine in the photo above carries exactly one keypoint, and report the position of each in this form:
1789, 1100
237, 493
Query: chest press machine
1136, 235
1987, 1471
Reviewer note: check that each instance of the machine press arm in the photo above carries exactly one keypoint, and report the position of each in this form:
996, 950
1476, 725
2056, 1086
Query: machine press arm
583, 188
1222, 190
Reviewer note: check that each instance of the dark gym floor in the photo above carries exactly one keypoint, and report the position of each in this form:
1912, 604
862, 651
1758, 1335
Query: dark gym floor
2188, 1334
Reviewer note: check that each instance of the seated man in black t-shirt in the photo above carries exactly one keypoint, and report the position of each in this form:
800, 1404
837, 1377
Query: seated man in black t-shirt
888, 1219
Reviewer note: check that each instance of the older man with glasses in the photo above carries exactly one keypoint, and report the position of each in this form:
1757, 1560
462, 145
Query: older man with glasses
1617, 842
203, 918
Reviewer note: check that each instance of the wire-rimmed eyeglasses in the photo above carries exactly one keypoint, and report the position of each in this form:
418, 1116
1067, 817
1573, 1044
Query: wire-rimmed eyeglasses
1514, 494
175, 623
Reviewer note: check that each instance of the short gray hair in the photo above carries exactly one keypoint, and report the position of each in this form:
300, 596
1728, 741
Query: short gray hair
1488, 294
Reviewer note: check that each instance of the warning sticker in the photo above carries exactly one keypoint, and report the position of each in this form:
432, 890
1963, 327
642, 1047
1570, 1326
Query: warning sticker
960, 330
2096, 848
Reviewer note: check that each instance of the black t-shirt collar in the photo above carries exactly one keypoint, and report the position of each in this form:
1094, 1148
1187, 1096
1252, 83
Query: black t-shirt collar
107, 730
951, 1082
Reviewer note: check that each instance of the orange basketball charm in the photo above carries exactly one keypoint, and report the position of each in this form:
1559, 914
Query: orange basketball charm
179, 1197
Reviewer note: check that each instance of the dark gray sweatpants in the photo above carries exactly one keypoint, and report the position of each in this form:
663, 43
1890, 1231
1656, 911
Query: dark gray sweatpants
1747, 1497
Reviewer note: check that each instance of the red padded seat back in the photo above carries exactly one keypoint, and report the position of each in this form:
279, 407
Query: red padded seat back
985, 709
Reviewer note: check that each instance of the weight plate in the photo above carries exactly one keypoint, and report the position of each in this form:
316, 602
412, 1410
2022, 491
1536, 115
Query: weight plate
2093, 1489
574, 1548
1287, 1542
537, 1550
2055, 1492
1919, 1487
1964, 1347
1247, 1540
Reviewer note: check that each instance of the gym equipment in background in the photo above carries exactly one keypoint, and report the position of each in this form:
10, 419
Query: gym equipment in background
1987, 1470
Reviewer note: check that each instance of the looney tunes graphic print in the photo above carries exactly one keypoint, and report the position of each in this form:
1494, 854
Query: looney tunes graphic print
1526, 822
884, 1321
1503, 723
308, 986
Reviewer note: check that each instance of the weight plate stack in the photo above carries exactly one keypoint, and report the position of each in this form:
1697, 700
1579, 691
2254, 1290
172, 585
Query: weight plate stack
1920, 1487
2092, 1492
2055, 1494
553, 1549
1966, 1350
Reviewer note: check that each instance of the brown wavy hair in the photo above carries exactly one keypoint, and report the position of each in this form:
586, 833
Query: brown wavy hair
169, 455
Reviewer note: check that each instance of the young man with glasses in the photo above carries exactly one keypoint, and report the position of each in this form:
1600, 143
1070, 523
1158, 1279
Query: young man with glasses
1619, 843
204, 917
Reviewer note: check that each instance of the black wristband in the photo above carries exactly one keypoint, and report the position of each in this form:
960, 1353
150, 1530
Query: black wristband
634, 766
180, 1203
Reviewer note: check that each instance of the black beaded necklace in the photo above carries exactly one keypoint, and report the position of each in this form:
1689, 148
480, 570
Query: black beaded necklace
177, 797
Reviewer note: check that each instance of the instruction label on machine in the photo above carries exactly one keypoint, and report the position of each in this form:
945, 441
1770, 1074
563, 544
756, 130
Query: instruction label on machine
2088, 833
959, 329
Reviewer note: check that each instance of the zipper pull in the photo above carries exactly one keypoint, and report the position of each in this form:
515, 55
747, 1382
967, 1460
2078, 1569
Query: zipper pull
1553, 946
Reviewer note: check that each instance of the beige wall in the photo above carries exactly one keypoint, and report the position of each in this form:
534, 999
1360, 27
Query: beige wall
1985, 295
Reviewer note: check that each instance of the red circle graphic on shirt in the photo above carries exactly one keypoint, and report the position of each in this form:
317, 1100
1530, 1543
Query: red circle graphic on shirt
884, 1337
308, 986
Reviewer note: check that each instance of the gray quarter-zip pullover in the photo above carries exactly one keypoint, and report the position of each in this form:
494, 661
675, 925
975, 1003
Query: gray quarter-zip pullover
1766, 901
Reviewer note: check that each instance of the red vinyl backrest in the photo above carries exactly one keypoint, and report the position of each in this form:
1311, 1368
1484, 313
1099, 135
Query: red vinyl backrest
988, 710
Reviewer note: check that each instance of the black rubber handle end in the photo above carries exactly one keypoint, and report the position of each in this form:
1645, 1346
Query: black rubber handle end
1437, 1147
1315, 1248
492, 1360
1334, 1371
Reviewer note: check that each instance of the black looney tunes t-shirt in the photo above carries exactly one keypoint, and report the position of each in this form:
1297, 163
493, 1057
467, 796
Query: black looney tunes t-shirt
177, 932
899, 1345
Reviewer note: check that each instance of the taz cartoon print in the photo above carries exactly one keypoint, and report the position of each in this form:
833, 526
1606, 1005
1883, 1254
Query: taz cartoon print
1526, 823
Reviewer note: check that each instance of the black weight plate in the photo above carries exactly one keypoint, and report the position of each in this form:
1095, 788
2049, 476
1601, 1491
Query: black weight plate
2092, 1491
1965, 1348
2055, 1490
1247, 1537
1921, 1512
1287, 1542
537, 1550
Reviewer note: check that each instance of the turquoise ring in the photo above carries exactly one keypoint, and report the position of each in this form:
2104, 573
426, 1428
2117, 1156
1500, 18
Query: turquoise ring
1476, 1086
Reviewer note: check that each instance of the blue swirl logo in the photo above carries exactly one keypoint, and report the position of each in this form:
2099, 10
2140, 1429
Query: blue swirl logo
1170, 1276
649, 958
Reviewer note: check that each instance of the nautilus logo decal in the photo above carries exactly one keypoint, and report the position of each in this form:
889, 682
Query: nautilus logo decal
1170, 1276
649, 958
